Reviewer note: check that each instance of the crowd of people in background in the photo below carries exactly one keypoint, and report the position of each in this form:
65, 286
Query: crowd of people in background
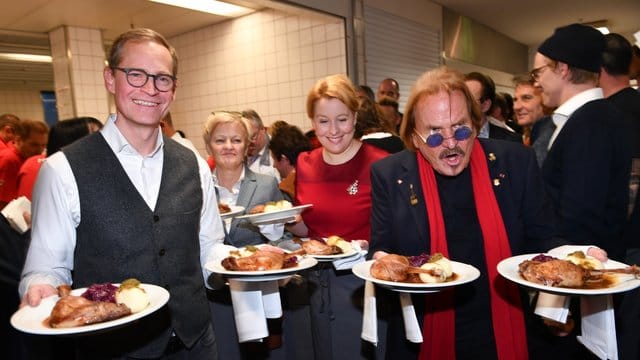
467, 171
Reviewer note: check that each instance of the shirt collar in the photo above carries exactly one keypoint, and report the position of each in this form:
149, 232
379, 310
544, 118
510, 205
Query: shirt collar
236, 186
577, 101
119, 144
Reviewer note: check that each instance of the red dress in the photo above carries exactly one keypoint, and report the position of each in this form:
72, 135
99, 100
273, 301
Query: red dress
340, 194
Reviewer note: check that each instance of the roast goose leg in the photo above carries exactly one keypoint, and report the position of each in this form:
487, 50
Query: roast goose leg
316, 247
394, 267
564, 273
72, 311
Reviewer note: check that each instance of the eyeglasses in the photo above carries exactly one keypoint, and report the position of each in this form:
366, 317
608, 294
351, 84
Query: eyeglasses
535, 73
435, 140
138, 78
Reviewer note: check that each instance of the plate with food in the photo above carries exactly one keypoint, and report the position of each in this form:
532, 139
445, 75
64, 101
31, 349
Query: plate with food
572, 274
229, 211
260, 263
273, 213
98, 307
328, 249
416, 274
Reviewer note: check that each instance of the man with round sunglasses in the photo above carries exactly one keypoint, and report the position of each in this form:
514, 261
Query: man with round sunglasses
476, 201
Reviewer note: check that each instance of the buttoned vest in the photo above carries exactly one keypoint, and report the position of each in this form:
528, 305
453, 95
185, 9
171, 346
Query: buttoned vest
120, 237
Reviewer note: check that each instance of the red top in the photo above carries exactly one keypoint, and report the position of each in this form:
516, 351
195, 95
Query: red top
340, 194
28, 174
10, 162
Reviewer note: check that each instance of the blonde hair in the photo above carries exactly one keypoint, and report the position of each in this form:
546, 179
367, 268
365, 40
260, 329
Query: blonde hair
333, 87
225, 117
431, 83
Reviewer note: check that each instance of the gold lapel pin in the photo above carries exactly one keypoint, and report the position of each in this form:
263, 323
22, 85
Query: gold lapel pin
413, 199
492, 157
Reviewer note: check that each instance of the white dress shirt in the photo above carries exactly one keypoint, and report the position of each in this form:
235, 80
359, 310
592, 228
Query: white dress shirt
258, 167
564, 111
56, 208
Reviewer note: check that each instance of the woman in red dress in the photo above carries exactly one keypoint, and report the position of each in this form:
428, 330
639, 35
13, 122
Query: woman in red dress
335, 179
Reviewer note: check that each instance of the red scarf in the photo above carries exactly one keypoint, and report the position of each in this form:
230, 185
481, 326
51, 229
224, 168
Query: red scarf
506, 312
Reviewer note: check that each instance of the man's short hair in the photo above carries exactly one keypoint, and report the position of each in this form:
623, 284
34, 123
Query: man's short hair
27, 127
252, 115
10, 120
488, 86
616, 57
140, 35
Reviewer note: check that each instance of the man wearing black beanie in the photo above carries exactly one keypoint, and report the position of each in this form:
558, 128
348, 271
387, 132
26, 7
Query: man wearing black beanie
586, 171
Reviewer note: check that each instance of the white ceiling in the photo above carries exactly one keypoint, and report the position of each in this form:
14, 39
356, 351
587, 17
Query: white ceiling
532, 21
25, 23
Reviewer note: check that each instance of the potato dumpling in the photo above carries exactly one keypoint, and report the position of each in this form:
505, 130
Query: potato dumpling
585, 261
333, 240
439, 259
437, 275
130, 293
344, 245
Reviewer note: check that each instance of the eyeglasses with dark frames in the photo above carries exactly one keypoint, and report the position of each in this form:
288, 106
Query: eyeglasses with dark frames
535, 73
436, 139
138, 78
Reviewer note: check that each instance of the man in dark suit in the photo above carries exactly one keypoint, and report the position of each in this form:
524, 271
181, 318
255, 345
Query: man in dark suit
614, 81
483, 90
476, 201
586, 171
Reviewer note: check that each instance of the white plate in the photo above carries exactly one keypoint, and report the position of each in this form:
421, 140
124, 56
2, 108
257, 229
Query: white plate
335, 256
235, 210
275, 217
509, 269
466, 273
265, 275
31, 319
325, 258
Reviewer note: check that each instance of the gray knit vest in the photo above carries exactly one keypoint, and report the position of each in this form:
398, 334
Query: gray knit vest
119, 237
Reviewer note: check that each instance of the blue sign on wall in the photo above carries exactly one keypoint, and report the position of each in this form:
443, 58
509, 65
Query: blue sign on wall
49, 106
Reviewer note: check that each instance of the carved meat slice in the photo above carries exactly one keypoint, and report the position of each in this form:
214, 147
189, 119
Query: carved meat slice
261, 260
72, 311
315, 247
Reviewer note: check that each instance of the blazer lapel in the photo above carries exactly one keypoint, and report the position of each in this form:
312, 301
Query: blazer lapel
410, 188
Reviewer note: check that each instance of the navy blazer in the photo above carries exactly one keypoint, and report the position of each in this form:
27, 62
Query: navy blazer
398, 226
255, 189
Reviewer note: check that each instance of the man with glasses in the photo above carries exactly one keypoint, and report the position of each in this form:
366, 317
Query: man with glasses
258, 157
127, 202
586, 171
476, 201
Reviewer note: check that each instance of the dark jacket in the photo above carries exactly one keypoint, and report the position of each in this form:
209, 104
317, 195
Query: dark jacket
398, 226
586, 174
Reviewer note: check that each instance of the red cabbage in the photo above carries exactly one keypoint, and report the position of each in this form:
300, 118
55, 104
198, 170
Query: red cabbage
101, 292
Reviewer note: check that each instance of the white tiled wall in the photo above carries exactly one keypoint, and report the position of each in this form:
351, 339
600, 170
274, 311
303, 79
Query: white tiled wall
266, 61
26, 104
78, 60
